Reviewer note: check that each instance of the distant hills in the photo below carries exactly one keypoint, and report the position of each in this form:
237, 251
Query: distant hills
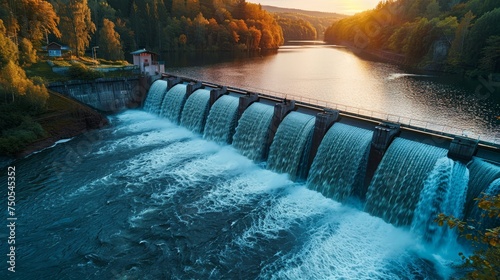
301, 24
280, 10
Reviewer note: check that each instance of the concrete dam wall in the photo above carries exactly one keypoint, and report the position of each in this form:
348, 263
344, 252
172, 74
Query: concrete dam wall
106, 95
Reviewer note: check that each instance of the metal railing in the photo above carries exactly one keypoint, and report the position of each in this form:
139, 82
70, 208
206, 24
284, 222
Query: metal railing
380, 116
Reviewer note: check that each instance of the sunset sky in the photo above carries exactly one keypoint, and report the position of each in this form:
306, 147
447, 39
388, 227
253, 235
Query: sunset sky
348, 7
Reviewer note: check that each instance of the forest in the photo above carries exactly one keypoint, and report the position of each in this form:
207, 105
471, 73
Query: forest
117, 27
302, 25
452, 35
120, 27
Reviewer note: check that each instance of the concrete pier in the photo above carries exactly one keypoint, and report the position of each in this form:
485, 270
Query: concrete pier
216, 93
172, 81
383, 135
280, 112
463, 149
324, 121
245, 101
192, 87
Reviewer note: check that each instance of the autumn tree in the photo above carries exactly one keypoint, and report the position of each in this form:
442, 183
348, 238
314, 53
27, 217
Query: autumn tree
30, 19
27, 53
15, 88
484, 263
76, 25
100, 9
200, 24
8, 50
109, 41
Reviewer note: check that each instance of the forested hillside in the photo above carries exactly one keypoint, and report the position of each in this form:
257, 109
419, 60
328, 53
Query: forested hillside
302, 25
455, 34
170, 25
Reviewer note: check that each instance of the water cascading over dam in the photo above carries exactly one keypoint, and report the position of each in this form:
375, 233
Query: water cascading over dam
195, 112
340, 164
412, 184
213, 182
252, 131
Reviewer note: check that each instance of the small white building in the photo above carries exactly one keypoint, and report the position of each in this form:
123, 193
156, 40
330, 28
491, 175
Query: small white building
148, 62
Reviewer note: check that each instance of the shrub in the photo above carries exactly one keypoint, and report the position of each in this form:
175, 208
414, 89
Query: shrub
13, 140
81, 72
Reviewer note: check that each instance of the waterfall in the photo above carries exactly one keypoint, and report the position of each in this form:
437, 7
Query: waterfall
291, 144
155, 97
492, 190
253, 130
195, 110
222, 120
484, 178
173, 103
482, 175
395, 188
339, 167
444, 191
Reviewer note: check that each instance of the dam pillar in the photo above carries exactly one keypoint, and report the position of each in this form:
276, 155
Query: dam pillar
324, 121
462, 149
192, 87
245, 101
139, 93
216, 93
172, 81
280, 111
383, 136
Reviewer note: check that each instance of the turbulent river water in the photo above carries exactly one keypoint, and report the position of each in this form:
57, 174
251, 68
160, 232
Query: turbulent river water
147, 199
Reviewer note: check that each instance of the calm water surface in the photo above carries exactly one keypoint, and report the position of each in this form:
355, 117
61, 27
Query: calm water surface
336, 75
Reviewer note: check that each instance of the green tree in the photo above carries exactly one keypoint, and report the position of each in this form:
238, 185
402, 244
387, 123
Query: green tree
432, 10
109, 41
490, 61
485, 26
455, 54
76, 25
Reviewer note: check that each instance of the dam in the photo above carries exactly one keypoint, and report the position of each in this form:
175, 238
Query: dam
393, 168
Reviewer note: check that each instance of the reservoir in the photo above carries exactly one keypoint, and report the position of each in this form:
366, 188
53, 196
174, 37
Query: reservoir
313, 71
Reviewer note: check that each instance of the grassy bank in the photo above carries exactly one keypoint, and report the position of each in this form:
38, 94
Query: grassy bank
63, 118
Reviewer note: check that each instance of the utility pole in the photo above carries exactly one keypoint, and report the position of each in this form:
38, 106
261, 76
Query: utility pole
94, 53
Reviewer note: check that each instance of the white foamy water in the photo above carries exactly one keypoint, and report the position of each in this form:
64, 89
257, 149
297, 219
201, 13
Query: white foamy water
159, 201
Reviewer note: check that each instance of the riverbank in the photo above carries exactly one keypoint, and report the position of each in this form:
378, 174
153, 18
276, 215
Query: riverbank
64, 118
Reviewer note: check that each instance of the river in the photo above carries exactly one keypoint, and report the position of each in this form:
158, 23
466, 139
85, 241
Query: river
313, 71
